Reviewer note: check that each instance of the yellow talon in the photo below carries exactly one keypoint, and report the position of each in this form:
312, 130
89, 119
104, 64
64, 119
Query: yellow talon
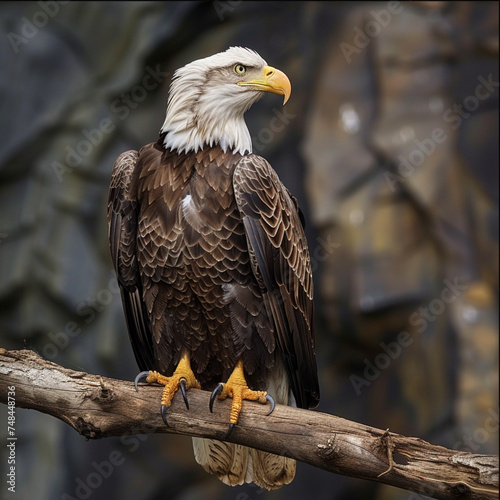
183, 377
237, 388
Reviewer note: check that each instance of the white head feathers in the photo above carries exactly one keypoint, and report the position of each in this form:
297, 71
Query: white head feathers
206, 105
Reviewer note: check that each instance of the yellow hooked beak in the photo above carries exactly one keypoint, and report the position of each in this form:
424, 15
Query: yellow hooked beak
273, 80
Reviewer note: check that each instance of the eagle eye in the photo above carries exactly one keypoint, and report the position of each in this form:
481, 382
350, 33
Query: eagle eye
240, 69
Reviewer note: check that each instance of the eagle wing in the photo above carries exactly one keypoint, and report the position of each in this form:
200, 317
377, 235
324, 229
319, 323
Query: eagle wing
122, 233
281, 264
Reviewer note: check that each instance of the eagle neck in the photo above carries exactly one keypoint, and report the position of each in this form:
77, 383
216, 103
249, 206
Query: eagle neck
232, 135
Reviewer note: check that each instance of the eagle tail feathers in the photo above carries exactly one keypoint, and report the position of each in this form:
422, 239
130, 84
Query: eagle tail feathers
235, 464
271, 471
227, 461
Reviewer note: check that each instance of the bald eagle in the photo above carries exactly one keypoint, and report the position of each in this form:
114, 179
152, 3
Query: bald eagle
212, 260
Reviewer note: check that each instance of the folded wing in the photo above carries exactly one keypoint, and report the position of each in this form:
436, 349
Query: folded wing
281, 264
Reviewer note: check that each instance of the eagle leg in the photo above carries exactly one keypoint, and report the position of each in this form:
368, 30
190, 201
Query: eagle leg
237, 388
183, 378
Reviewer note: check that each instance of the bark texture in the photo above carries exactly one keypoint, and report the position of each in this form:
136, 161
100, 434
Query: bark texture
99, 407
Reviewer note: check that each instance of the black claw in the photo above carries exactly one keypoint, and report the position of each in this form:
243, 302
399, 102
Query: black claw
164, 414
182, 384
142, 375
215, 393
231, 427
271, 400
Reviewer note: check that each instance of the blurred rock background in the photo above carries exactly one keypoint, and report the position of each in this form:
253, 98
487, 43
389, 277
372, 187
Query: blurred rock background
390, 143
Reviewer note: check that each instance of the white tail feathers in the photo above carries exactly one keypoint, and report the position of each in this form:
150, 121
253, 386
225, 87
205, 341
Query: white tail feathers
271, 471
229, 462
234, 464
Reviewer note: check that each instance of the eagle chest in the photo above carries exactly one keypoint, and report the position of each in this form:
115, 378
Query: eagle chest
197, 234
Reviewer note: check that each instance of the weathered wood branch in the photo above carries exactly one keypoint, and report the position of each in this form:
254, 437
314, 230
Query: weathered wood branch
99, 407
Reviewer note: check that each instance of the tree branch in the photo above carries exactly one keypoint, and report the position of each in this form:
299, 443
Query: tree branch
99, 407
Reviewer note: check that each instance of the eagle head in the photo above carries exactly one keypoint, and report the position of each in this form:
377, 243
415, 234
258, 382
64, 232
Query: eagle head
209, 97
